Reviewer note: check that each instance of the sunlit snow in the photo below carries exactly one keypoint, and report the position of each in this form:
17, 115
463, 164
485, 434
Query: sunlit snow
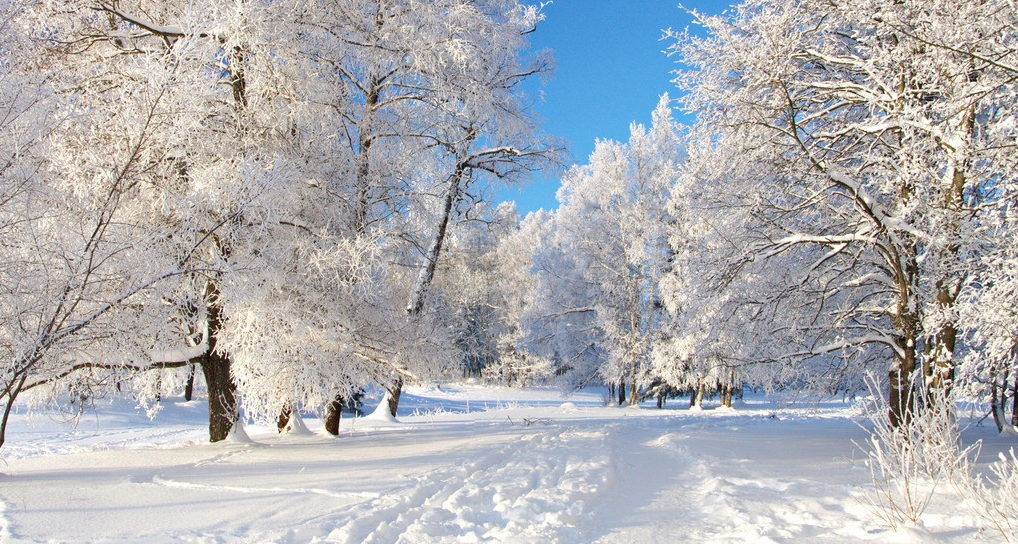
461, 463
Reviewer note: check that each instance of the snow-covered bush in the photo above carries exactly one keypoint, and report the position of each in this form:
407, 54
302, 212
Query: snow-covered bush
910, 460
995, 497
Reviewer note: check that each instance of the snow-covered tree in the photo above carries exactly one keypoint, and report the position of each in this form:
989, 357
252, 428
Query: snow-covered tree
471, 289
285, 164
605, 255
520, 294
84, 260
427, 102
864, 146
475, 122
212, 155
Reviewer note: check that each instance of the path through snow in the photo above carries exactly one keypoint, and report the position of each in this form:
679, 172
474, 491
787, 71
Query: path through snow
518, 472
727, 483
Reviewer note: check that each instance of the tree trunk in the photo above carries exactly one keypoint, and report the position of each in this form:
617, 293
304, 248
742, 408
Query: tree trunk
700, 392
189, 385
13, 390
416, 303
634, 389
215, 366
333, 413
611, 392
394, 393
938, 364
1014, 404
901, 392
728, 390
222, 395
284, 418
692, 397
997, 401
622, 392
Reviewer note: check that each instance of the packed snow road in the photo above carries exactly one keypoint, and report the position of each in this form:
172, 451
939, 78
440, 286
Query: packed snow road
516, 467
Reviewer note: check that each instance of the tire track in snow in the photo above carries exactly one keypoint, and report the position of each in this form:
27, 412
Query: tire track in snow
536, 489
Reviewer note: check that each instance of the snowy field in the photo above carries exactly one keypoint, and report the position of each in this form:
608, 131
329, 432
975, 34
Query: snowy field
464, 464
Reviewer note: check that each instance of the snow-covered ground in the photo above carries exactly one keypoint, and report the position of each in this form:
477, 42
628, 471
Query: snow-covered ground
464, 463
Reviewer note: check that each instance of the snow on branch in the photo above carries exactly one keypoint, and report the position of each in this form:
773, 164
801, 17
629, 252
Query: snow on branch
838, 241
158, 30
846, 343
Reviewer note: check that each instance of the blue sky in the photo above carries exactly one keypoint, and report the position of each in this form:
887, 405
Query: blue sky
611, 70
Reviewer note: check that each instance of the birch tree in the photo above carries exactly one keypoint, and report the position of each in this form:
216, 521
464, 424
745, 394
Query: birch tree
481, 129
427, 103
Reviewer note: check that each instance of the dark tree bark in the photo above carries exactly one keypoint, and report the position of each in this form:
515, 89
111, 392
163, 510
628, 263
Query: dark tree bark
216, 367
394, 393
12, 392
222, 395
284, 418
333, 413
727, 389
901, 393
622, 392
998, 399
1014, 403
189, 385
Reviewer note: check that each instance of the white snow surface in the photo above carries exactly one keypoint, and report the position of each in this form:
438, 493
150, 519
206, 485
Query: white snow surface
461, 463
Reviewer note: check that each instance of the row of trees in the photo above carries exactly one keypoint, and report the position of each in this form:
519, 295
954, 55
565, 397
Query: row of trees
290, 195
865, 153
259, 188
844, 204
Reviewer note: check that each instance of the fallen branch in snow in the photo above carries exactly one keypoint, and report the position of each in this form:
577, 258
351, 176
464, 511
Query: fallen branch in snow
528, 421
